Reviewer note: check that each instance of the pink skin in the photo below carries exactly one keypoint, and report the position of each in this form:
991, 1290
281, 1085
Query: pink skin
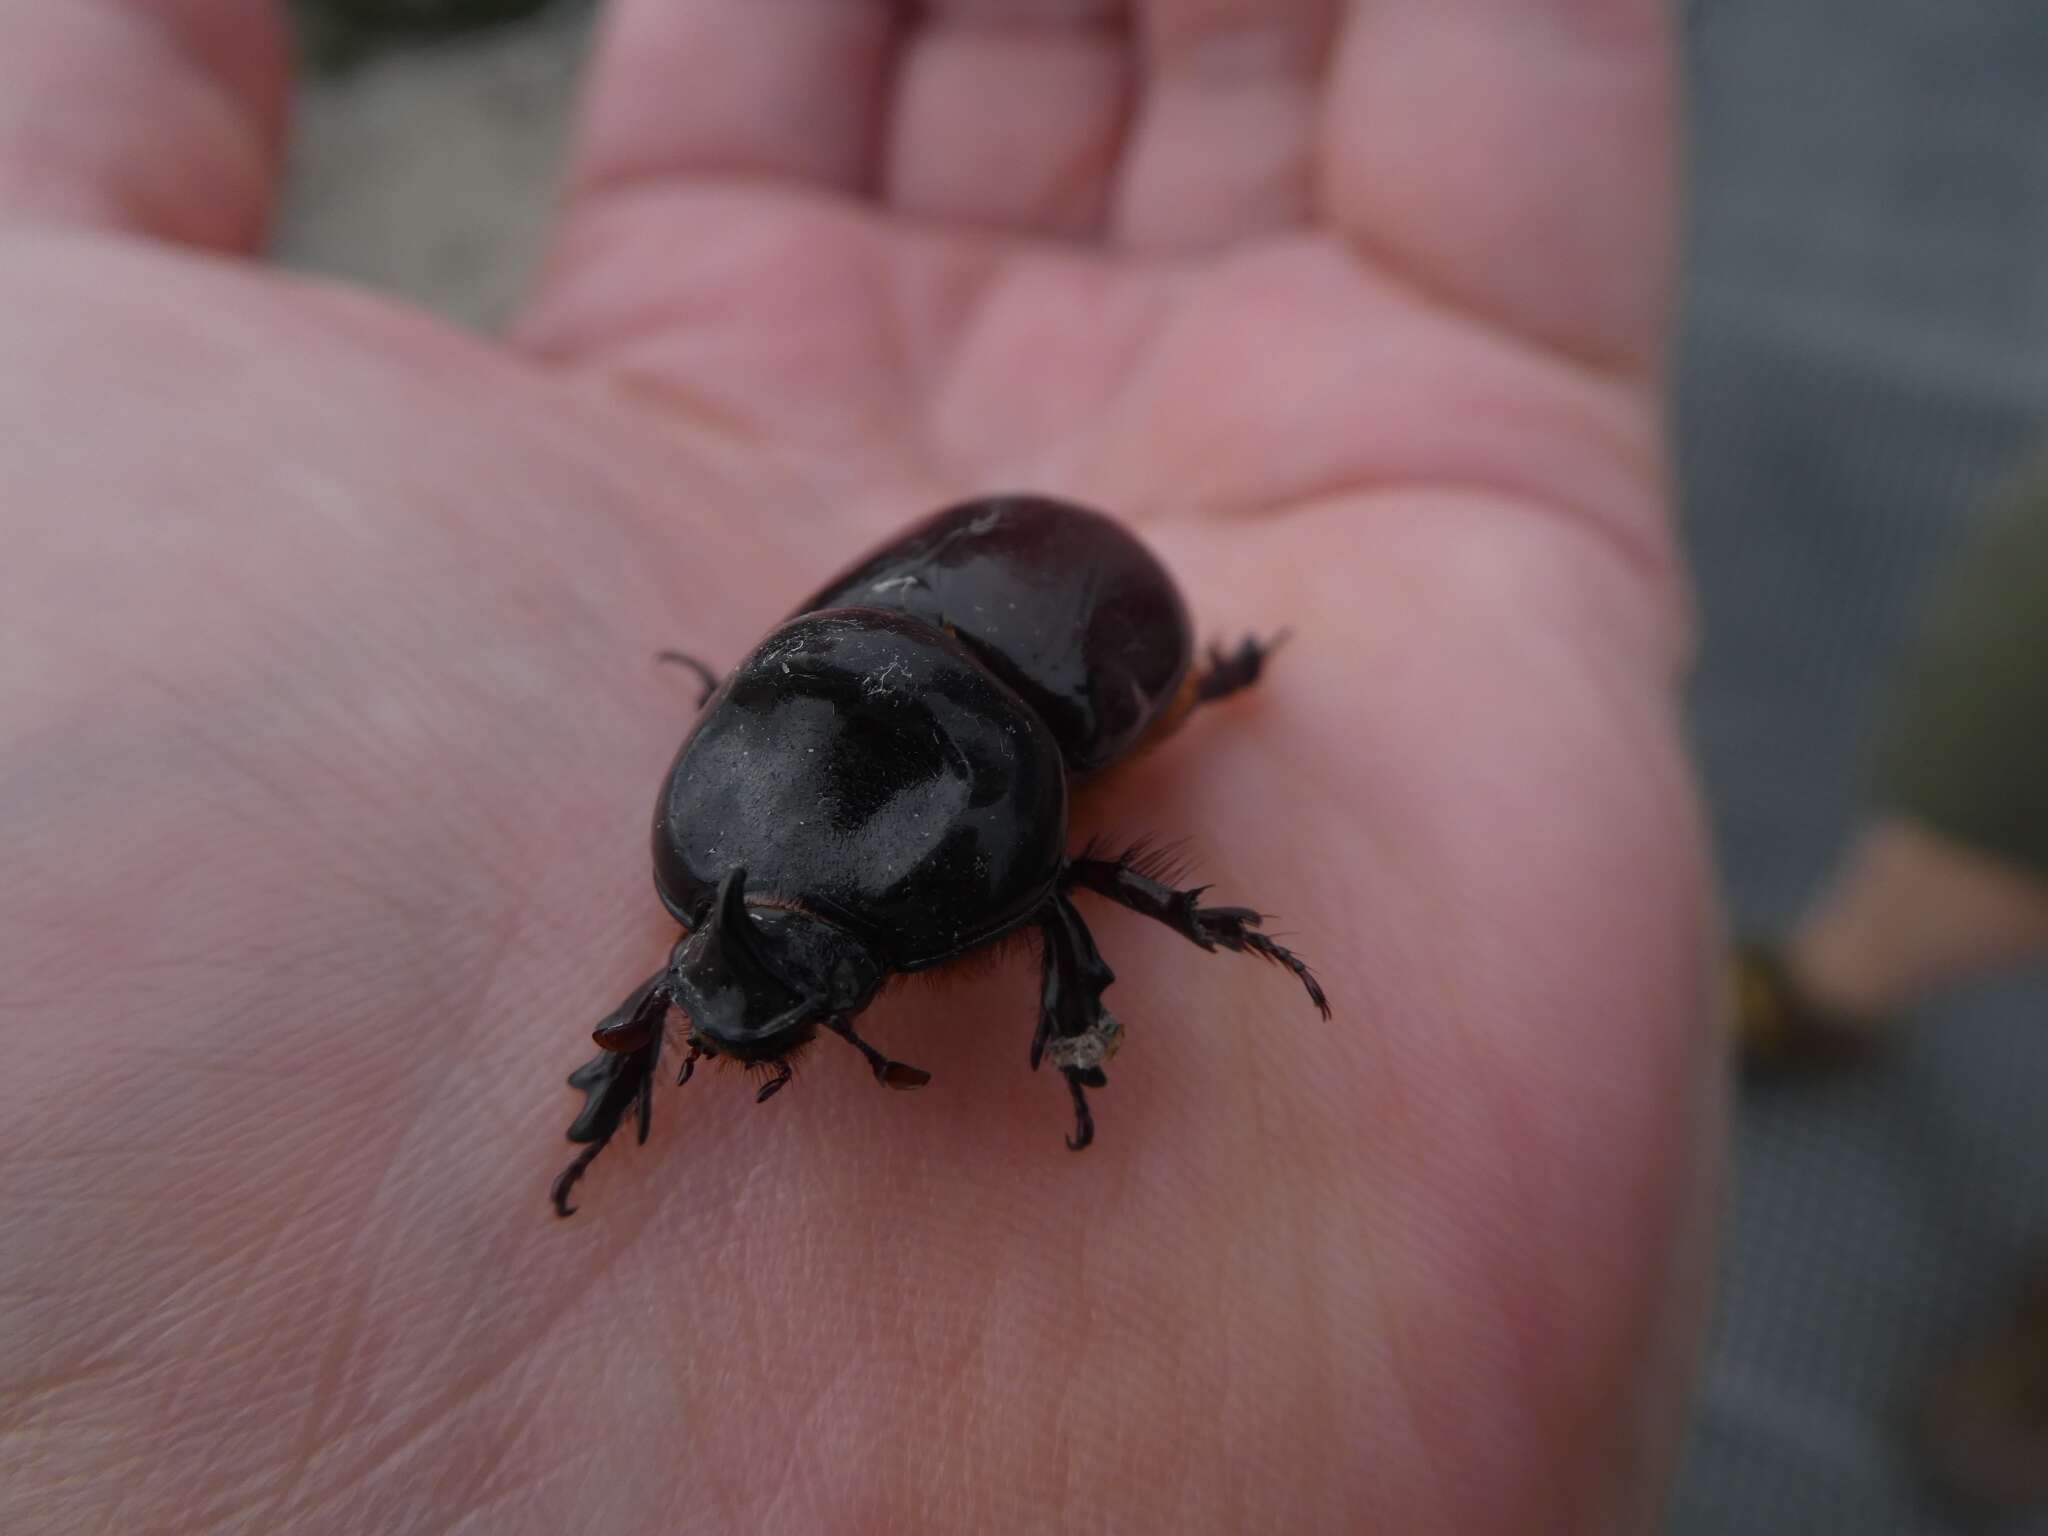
331, 733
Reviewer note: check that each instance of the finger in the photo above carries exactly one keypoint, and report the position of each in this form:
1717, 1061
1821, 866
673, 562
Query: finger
1514, 157
1223, 146
1010, 113
158, 117
781, 89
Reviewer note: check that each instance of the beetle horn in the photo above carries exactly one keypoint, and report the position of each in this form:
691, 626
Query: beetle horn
745, 977
730, 929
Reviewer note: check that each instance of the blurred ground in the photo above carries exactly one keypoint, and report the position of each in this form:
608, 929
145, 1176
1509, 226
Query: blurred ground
427, 170
1866, 355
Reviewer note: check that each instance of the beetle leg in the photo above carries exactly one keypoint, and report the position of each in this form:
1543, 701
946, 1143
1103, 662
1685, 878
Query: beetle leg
1233, 928
890, 1074
566, 1180
638, 1019
1221, 674
1074, 1029
1230, 672
615, 1084
706, 678
1084, 1118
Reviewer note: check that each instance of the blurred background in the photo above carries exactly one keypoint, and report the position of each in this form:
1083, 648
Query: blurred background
1865, 361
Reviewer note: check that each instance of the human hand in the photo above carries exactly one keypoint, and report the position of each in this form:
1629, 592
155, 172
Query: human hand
331, 738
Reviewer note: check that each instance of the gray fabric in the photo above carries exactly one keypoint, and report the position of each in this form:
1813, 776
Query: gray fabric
1865, 358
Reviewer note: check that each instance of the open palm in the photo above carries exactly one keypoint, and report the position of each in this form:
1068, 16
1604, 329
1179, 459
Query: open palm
331, 735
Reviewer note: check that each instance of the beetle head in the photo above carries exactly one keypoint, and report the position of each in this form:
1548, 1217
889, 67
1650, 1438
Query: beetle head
756, 982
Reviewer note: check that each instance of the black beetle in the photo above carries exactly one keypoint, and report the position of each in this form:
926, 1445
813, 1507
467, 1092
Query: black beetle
882, 786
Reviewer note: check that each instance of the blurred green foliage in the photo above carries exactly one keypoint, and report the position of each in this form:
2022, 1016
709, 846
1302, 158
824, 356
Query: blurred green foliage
334, 34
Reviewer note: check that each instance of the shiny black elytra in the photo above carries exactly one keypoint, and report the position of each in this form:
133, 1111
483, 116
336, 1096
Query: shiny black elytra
882, 786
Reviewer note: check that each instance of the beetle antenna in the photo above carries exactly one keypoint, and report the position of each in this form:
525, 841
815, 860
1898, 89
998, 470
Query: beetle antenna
783, 1073
890, 1074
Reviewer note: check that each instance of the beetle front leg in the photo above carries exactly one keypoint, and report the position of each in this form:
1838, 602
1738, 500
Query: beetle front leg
1233, 928
616, 1082
1075, 1031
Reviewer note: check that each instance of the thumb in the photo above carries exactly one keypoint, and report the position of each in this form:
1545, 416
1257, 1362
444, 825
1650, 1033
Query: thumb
162, 118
